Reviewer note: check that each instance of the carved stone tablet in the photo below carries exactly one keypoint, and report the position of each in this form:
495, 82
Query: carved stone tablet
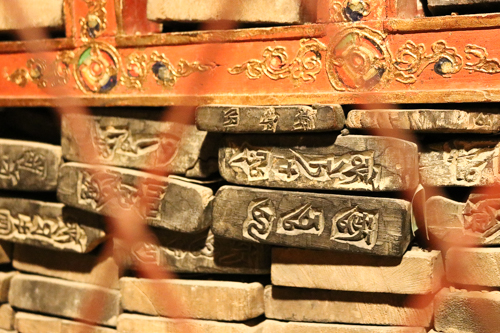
425, 120
282, 11
33, 323
270, 119
136, 143
87, 268
460, 163
28, 166
358, 272
38, 294
174, 204
309, 220
132, 323
472, 223
352, 162
314, 305
213, 300
461, 311
473, 266
49, 224
203, 253
272, 326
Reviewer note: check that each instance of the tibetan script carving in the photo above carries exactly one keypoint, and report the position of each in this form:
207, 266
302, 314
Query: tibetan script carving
28, 165
172, 203
363, 163
276, 119
128, 142
318, 221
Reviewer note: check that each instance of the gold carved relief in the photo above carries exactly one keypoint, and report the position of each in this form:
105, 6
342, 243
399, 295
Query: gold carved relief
94, 24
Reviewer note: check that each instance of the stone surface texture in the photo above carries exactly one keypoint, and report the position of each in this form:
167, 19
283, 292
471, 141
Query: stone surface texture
202, 253
343, 162
277, 11
273, 119
425, 120
310, 220
32, 323
464, 224
37, 294
131, 323
52, 14
314, 305
6, 317
136, 143
460, 311
473, 266
5, 279
272, 326
417, 272
174, 204
459, 163
212, 300
50, 225
28, 166
87, 268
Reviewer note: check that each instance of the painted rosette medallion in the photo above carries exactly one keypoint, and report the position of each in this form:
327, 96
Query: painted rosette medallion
358, 60
97, 67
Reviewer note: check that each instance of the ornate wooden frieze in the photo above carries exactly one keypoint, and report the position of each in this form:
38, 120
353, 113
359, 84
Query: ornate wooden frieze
319, 221
269, 119
29, 166
49, 225
352, 162
172, 203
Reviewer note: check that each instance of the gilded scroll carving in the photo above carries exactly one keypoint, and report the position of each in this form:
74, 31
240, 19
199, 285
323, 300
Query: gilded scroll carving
60, 234
349, 10
28, 161
356, 227
276, 64
94, 24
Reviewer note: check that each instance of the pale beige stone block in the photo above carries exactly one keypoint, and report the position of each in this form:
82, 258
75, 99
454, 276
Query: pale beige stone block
213, 300
473, 266
36, 14
5, 279
277, 11
461, 311
6, 317
314, 305
63, 298
32, 323
417, 272
131, 323
272, 326
86, 268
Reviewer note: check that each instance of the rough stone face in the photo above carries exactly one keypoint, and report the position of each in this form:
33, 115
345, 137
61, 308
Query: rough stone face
136, 143
437, 121
29, 166
52, 15
6, 317
269, 119
459, 163
212, 300
32, 323
130, 323
464, 224
87, 268
344, 162
272, 326
203, 253
50, 225
37, 294
314, 305
460, 311
174, 204
473, 266
277, 11
417, 272
309, 220
5, 279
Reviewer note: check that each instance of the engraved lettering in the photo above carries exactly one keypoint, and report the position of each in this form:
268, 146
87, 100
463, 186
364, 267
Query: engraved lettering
28, 161
482, 120
260, 219
305, 120
253, 163
231, 117
355, 227
269, 120
146, 253
482, 217
302, 220
60, 234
